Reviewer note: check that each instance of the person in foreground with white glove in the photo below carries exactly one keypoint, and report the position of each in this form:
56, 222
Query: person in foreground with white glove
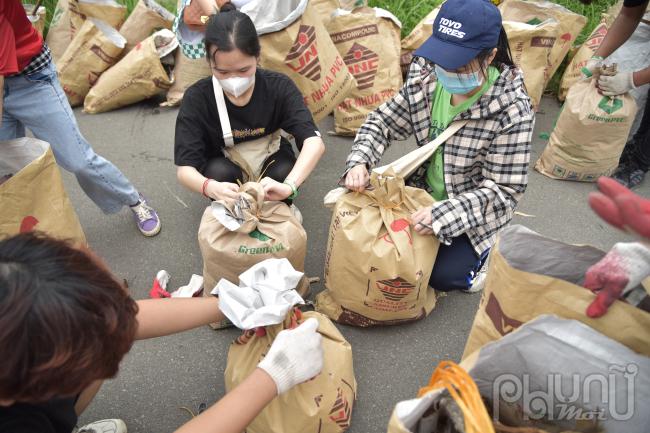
626, 265
635, 160
66, 323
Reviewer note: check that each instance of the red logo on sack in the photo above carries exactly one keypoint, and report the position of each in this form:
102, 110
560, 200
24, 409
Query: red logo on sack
503, 324
395, 289
341, 411
303, 55
362, 64
400, 225
597, 37
28, 224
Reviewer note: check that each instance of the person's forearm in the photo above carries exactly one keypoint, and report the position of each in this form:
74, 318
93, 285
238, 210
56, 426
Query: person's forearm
312, 150
159, 317
190, 178
237, 409
642, 77
209, 7
621, 30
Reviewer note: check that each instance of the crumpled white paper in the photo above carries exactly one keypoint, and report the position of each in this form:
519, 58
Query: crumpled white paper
227, 219
192, 288
266, 293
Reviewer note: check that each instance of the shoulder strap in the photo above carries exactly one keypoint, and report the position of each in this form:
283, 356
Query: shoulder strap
407, 164
223, 113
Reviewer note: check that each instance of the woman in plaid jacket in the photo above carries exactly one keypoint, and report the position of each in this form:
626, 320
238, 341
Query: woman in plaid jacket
463, 72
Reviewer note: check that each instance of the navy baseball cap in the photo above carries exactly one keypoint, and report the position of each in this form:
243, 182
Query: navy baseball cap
461, 30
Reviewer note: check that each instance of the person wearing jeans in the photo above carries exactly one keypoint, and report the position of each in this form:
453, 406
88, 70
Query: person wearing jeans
34, 99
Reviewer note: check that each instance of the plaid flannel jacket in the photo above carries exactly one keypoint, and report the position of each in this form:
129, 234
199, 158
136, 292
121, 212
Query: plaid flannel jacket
486, 161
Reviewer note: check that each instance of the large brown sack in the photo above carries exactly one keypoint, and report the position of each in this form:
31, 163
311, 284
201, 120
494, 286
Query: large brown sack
573, 72
186, 72
324, 8
531, 47
304, 51
530, 275
323, 404
368, 41
35, 192
109, 11
59, 34
270, 230
589, 135
535, 12
95, 48
146, 18
377, 267
136, 77
420, 33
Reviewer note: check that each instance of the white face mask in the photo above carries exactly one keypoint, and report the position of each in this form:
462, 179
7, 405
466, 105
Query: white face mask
237, 86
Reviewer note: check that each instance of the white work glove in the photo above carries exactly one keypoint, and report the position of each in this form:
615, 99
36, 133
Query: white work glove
592, 64
622, 269
295, 356
617, 84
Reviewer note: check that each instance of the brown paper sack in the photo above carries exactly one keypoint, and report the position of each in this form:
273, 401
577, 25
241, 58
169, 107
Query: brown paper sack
95, 48
531, 47
573, 72
109, 11
418, 35
535, 12
270, 230
377, 267
30, 180
59, 34
38, 19
368, 41
324, 8
305, 52
589, 135
323, 404
530, 275
186, 72
147, 17
136, 77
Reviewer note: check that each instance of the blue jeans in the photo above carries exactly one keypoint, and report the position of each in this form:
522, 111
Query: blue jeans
37, 102
456, 265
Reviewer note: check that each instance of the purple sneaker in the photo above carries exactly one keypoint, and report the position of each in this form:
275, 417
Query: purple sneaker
146, 218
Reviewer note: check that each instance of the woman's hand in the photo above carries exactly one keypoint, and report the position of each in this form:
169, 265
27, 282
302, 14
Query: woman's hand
274, 190
422, 221
357, 178
222, 190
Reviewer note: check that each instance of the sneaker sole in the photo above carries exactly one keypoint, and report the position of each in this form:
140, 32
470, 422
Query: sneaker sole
153, 232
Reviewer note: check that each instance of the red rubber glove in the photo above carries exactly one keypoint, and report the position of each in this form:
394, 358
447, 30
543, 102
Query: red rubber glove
621, 207
624, 267
158, 289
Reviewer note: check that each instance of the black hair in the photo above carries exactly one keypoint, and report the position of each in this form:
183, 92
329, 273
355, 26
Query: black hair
231, 29
503, 56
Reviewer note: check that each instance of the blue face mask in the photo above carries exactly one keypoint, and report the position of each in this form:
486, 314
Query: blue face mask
458, 84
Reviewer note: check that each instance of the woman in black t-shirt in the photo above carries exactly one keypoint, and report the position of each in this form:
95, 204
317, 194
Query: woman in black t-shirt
259, 104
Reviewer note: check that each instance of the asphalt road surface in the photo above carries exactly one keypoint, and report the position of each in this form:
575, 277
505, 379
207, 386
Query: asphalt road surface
159, 376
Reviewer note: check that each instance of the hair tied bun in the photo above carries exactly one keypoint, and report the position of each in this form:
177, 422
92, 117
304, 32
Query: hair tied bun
227, 7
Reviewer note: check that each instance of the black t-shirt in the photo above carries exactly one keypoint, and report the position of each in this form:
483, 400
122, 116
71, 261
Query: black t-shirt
276, 103
634, 3
54, 416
